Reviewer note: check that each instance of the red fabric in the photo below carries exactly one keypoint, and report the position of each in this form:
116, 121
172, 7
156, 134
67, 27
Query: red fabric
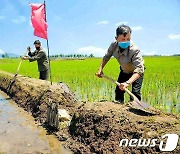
38, 20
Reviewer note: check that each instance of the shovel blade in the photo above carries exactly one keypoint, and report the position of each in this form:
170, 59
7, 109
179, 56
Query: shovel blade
144, 107
140, 105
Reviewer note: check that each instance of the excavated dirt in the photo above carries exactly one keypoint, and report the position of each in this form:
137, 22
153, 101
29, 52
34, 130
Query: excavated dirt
100, 126
96, 127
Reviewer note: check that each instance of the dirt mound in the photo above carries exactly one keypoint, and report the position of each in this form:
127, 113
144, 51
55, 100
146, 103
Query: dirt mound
95, 127
100, 126
35, 95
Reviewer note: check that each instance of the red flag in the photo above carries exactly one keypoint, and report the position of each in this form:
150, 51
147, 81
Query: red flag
38, 20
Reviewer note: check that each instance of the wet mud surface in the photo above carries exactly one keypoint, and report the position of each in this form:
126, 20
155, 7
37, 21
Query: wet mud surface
19, 133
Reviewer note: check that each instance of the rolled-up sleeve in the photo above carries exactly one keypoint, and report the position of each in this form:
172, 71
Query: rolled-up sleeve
109, 53
36, 57
138, 63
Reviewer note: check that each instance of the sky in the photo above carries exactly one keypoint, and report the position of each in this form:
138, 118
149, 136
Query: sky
88, 26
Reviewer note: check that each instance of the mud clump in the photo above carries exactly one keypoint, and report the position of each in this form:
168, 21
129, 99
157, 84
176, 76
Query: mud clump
94, 131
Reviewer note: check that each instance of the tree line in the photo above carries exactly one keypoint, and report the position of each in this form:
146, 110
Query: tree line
72, 56
6, 55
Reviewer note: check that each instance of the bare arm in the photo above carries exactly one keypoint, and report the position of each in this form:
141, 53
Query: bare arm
106, 59
100, 70
126, 84
133, 78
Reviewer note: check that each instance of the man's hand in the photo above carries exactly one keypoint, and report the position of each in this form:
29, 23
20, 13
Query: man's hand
99, 73
123, 85
29, 49
24, 58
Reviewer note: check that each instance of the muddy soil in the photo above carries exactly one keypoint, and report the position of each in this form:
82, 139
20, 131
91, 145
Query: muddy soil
100, 126
19, 133
96, 127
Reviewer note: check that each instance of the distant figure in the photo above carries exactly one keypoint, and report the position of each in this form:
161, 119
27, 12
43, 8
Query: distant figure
130, 60
42, 60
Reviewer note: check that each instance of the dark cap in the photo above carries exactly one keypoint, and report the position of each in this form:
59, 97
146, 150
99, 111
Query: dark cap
37, 42
123, 30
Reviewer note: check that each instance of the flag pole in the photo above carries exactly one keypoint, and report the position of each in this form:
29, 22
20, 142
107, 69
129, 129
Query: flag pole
48, 45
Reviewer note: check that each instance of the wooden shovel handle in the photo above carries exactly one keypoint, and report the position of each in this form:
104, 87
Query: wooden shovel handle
130, 93
117, 83
21, 62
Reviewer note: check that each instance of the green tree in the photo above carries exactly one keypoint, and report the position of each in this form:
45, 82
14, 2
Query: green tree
91, 55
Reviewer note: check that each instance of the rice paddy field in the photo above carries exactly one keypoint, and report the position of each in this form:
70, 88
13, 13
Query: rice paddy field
160, 86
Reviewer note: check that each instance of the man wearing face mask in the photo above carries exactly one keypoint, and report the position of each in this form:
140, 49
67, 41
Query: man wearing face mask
39, 55
130, 60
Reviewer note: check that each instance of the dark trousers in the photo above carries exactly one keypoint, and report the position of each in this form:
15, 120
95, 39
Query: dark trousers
43, 75
136, 87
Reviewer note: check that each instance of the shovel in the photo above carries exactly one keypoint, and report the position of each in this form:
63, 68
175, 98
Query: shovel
136, 103
17, 71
